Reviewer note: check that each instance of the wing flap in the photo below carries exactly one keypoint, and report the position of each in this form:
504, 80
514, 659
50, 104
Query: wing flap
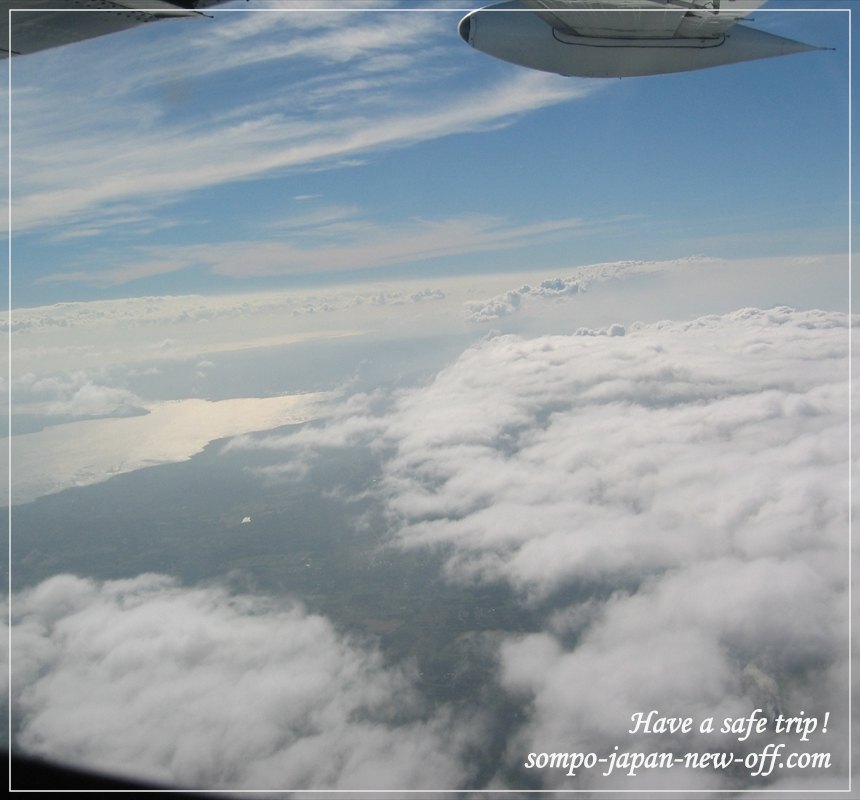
636, 19
642, 19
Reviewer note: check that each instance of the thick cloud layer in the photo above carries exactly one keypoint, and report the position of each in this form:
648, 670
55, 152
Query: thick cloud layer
615, 456
671, 501
675, 498
201, 688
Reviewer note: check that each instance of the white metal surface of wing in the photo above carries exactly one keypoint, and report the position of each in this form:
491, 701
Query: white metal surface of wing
35, 28
642, 19
622, 38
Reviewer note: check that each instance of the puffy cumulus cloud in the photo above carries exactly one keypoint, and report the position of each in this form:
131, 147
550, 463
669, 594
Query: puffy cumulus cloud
556, 458
78, 394
202, 688
670, 426
613, 330
511, 301
427, 294
716, 638
675, 499
694, 476
356, 420
496, 307
543, 460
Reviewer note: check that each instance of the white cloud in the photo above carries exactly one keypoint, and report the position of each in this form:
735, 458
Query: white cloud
200, 688
674, 497
427, 294
346, 245
77, 394
579, 458
511, 301
719, 638
104, 339
558, 288
502, 305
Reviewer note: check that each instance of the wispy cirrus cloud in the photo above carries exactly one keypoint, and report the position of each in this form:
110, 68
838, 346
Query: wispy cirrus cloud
161, 148
337, 243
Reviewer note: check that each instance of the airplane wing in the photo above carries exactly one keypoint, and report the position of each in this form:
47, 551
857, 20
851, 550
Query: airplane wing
70, 21
642, 19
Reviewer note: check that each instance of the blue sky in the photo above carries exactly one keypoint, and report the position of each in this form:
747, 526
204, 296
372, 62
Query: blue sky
270, 149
